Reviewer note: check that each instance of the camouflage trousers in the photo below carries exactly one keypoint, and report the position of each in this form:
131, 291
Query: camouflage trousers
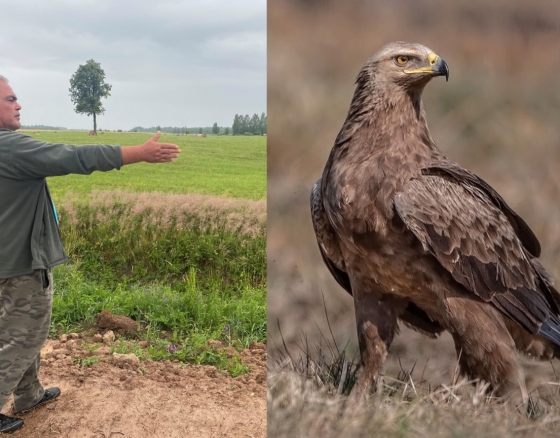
25, 318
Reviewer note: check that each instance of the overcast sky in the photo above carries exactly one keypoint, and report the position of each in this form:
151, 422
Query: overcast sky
170, 62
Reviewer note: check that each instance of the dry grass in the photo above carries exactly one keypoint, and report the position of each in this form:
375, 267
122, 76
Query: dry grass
165, 209
497, 116
401, 408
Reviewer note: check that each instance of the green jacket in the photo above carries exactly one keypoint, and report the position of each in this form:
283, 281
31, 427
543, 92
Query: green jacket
29, 235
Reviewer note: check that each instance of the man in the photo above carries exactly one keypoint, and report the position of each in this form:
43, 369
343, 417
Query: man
30, 243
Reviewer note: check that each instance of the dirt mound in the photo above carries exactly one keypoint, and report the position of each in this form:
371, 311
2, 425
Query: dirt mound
117, 397
122, 325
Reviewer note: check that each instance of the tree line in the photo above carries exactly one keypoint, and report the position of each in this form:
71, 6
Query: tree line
43, 127
184, 130
243, 125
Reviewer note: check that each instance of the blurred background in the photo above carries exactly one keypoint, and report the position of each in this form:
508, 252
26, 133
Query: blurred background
499, 116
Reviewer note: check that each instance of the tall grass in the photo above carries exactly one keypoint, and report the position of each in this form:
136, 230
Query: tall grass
189, 268
126, 237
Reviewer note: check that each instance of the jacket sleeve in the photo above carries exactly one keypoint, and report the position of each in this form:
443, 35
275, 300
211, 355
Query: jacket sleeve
33, 158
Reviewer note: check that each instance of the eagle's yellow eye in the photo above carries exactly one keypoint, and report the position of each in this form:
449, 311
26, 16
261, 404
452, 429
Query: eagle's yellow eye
401, 60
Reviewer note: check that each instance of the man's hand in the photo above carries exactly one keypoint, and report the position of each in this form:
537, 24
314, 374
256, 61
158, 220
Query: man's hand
151, 152
159, 152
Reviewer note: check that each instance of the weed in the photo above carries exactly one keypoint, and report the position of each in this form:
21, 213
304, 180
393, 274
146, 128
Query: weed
87, 361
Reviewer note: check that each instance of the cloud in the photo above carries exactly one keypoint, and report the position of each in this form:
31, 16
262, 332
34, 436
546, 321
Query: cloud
197, 58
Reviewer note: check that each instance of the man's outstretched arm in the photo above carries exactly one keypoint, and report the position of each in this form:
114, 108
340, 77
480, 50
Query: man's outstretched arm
150, 152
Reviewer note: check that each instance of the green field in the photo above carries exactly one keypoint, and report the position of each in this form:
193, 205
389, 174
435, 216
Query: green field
215, 165
179, 247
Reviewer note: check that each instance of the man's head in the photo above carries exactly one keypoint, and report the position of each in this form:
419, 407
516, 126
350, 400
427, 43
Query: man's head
9, 107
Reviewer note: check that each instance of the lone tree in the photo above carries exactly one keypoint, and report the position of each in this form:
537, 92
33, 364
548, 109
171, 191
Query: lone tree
87, 87
215, 128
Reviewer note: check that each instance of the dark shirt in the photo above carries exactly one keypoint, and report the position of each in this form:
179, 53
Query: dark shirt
29, 235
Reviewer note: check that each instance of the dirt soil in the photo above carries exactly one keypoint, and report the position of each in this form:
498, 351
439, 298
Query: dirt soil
121, 397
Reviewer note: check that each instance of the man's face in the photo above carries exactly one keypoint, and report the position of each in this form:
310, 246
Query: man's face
9, 108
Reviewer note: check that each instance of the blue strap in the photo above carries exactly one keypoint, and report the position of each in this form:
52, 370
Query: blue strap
54, 211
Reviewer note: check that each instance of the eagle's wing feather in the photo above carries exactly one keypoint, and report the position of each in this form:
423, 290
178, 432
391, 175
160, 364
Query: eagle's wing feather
413, 316
326, 239
449, 169
470, 232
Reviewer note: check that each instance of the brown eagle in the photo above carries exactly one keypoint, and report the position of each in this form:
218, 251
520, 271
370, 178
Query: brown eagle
413, 236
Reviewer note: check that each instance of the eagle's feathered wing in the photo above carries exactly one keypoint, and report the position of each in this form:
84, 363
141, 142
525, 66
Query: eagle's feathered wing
485, 246
413, 316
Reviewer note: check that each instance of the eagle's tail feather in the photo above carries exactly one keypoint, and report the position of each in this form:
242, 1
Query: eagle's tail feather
550, 329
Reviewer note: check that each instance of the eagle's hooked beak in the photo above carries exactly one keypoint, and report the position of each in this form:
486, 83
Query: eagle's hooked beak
438, 67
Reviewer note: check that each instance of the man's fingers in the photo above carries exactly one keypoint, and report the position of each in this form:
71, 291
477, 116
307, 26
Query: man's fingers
168, 146
157, 136
168, 152
170, 149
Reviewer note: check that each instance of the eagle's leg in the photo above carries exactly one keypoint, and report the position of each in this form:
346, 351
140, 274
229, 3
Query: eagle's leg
376, 321
485, 349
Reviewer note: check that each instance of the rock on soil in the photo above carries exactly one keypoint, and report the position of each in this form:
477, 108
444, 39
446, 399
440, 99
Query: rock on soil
108, 337
121, 359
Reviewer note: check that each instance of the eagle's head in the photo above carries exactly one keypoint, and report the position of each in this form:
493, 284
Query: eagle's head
409, 65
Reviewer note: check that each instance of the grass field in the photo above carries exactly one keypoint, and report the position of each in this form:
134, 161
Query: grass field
215, 165
179, 247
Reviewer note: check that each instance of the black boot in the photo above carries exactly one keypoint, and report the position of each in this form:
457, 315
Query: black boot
50, 394
9, 424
